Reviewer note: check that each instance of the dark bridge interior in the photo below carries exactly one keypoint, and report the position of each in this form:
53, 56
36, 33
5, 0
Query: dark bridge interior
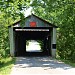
22, 36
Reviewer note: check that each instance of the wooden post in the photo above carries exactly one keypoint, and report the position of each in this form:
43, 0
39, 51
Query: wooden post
53, 43
11, 39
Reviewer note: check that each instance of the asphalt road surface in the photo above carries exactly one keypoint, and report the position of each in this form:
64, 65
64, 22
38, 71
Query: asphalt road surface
40, 65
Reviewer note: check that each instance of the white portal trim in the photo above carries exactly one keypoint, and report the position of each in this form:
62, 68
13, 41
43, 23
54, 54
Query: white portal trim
31, 29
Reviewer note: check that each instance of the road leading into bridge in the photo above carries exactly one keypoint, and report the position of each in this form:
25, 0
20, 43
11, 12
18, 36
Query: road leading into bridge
40, 65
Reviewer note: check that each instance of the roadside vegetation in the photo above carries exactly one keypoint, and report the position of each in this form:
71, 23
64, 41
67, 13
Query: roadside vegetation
6, 65
69, 62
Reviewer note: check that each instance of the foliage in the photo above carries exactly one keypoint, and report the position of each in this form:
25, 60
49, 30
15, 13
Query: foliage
69, 62
6, 65
27, 42
60, 13
4, 44
41, 44
10, 12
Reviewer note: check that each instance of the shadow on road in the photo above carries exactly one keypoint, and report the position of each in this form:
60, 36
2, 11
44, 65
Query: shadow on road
24, 62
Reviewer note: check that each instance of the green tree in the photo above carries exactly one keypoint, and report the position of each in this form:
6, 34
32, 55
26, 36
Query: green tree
60, 13
10, 12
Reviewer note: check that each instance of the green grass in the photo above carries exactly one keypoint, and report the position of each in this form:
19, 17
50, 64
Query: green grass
69, 62
6, 65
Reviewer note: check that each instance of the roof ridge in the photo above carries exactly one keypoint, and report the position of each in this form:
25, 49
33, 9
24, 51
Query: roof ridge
38, 18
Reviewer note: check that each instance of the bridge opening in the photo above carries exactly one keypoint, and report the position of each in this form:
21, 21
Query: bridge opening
34, 45
32, 42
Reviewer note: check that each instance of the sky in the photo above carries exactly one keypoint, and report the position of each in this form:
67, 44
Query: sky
28, 12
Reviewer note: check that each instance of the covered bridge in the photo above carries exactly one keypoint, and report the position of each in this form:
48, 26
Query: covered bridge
34, 28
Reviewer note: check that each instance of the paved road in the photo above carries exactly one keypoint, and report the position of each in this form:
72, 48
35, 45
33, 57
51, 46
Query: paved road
40, 65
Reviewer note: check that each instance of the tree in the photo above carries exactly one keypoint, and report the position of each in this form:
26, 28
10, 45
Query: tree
60, 13
10, 12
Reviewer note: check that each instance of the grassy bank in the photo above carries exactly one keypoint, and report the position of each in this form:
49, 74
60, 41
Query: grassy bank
69, 62
6, 65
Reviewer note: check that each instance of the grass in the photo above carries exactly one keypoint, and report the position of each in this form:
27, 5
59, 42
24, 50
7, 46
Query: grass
69, 62
6, 65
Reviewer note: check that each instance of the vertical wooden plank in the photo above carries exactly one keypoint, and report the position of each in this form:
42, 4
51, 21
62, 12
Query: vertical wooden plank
11, 39
53, 42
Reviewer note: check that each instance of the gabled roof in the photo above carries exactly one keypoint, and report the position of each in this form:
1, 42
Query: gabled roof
38, 18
